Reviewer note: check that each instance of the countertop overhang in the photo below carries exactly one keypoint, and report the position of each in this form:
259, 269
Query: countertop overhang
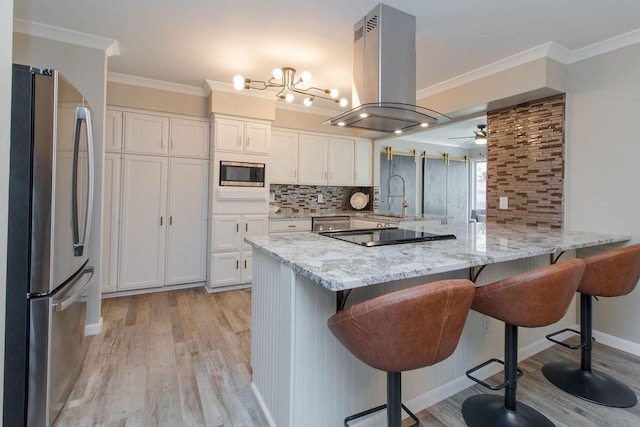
338, 265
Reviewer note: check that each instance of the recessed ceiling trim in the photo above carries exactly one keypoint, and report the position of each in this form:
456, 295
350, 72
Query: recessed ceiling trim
155, 84
38, 29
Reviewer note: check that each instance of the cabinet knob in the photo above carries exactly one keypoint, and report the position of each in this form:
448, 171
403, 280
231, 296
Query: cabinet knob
246, 226
239, 141
245, 264
237, 227
248, 141
161, 221
237, 264
171, 220
162, 143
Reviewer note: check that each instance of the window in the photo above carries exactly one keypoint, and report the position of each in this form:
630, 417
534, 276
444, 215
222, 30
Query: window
479, 185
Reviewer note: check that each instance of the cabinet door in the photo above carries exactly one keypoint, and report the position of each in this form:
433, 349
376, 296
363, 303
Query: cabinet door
143, 226
226, 233
312, 159
254, 225
364, 160
187, 225
340, 161
229, 134
113, 130
225, 269
110, 221
146, 133
257, 138
189, 138
246, 267
283, 168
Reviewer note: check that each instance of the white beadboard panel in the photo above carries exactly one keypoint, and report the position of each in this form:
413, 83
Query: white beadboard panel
271, 343
306, 377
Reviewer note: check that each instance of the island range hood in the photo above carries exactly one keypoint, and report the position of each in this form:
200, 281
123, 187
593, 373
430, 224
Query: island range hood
384, 75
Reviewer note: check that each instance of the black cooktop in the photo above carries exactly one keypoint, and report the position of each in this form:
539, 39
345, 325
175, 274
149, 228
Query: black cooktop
385, 236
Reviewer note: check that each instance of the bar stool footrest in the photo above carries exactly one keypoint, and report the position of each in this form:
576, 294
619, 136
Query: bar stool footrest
485, 384
380, 408
572, 347
594, 387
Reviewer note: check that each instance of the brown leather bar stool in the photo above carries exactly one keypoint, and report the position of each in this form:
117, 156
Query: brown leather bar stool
609, 274
404, 330
533, 299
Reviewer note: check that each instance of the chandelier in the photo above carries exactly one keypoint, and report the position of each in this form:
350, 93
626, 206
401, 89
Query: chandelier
285, 79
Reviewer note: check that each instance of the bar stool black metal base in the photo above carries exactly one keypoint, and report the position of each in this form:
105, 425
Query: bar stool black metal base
594, 387
488, 410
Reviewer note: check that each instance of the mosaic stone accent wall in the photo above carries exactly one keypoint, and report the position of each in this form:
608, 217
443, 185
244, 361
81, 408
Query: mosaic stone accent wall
525, 153
303, 198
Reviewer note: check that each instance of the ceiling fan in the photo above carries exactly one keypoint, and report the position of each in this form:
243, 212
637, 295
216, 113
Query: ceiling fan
479, 137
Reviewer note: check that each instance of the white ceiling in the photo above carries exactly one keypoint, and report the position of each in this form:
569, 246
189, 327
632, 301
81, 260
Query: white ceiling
189, 41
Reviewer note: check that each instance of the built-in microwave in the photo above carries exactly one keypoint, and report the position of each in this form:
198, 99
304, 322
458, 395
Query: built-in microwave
241, 174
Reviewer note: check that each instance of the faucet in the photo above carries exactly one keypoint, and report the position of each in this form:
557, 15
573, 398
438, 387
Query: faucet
404, 195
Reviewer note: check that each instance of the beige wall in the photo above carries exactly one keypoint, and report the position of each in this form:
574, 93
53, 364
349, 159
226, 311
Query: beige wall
123, 95
602, 172
6, 29
86, 69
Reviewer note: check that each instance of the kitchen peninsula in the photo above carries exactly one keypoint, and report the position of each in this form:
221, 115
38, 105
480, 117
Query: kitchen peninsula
301, 373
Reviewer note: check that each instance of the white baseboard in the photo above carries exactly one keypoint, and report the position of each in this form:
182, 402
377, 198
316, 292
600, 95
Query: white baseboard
93, 328
263, 406
142, 291
617, 343
227, 288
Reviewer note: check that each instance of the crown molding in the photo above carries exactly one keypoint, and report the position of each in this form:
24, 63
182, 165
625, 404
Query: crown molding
155, 84
504, 64
37, 29
549, 50
605, 46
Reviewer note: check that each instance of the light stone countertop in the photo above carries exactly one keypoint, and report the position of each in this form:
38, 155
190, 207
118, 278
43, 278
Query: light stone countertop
339, 265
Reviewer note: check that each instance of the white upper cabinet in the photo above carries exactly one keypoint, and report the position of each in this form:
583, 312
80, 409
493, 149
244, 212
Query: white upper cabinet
284, 157
363, 163
146, 133
340, 166
113, 131
242, 136
325, 161
312, 159
189, 138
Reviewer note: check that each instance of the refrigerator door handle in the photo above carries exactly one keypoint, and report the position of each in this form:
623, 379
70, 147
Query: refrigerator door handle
69, 300
82, 115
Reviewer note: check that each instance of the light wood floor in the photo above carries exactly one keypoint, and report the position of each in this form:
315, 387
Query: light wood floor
181, 358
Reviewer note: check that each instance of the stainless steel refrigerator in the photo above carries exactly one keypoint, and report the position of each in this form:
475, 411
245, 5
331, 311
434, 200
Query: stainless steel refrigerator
48, 261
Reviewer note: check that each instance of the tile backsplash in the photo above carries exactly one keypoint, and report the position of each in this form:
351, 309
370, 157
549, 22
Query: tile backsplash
525, 154
298, 198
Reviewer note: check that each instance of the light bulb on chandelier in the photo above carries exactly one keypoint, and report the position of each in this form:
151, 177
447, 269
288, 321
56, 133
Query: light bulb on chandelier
285, 79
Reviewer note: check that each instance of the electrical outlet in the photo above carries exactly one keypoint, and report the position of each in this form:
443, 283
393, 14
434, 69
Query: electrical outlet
272, 197
504, 202
320, 198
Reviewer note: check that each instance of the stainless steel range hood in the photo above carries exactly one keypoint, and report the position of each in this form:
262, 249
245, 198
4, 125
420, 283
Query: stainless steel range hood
384, 75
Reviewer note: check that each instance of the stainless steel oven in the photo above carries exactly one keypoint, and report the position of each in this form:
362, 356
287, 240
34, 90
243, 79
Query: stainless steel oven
241, 174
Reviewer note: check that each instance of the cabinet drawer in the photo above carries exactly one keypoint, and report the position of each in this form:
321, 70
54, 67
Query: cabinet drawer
289, 225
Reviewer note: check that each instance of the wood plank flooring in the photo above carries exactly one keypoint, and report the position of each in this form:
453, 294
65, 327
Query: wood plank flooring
181, 358
177, 358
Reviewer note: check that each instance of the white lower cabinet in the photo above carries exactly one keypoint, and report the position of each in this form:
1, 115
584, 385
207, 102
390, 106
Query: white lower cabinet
231, 258
143, 227
110, 221
163, 238
187, 212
